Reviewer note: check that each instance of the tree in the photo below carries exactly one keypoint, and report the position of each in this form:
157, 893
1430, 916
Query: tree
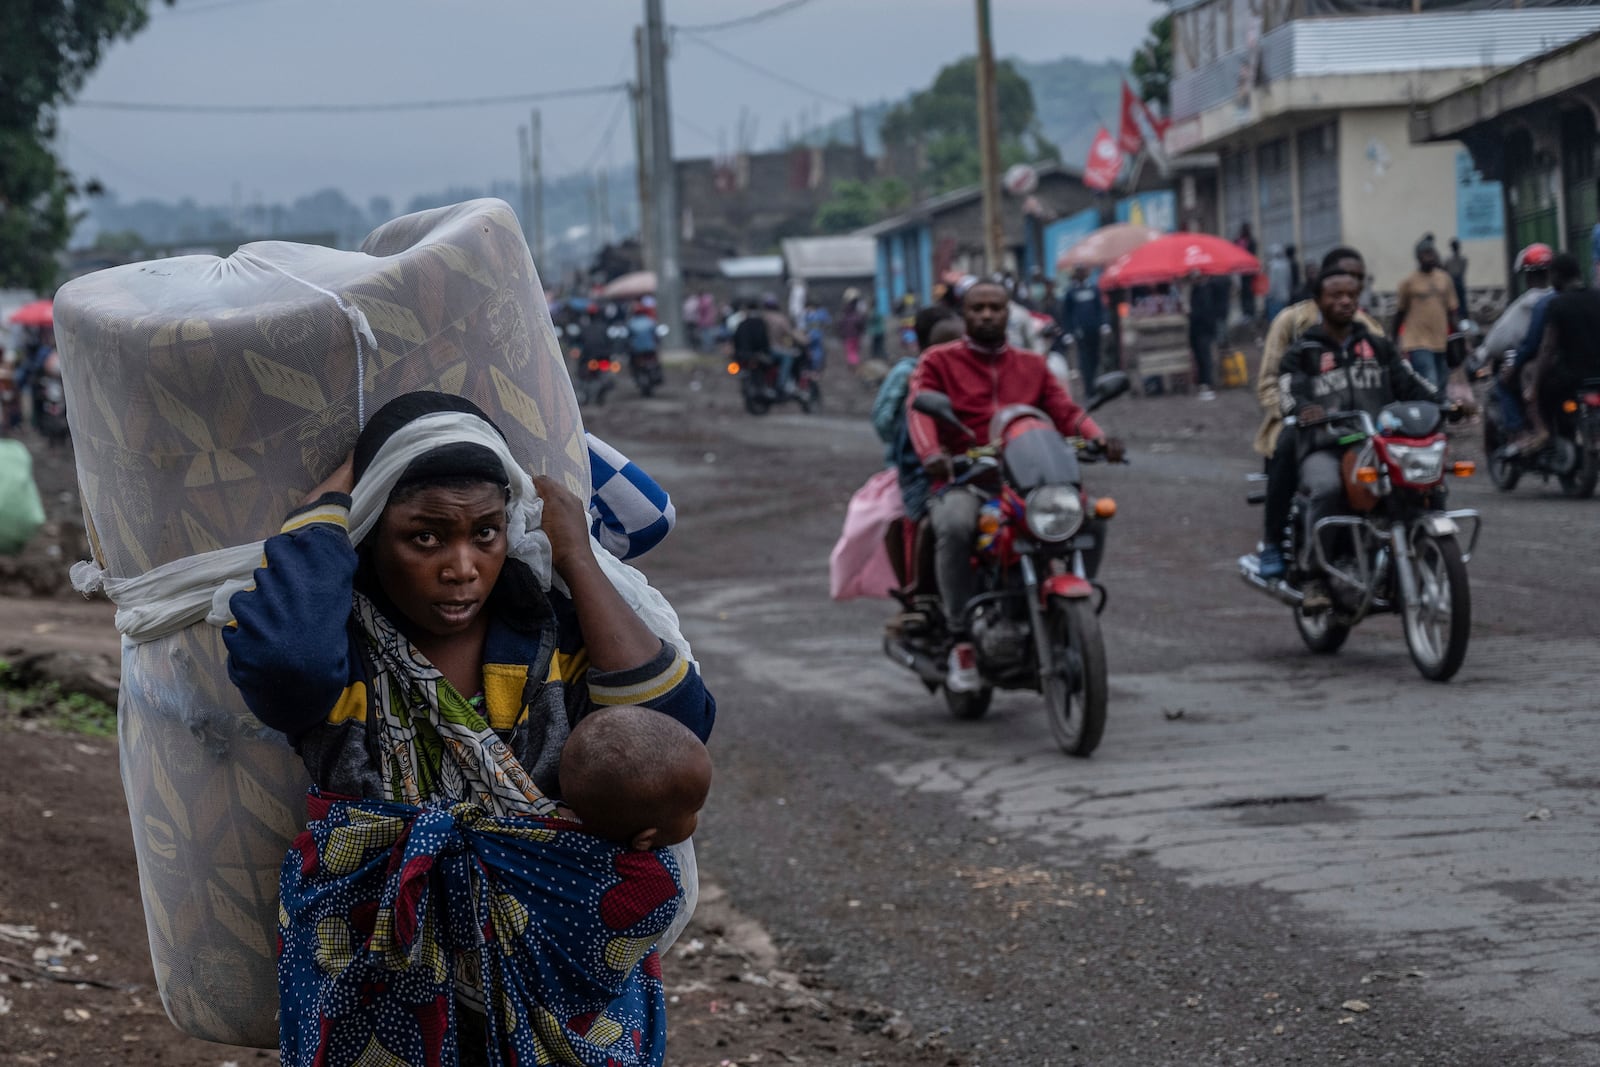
1152, 64
854, 204
943, 120
47, 50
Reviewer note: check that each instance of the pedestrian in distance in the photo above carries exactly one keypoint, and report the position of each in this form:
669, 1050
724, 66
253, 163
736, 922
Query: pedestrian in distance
1083, 317
1247, 295
1204, 318
852, 324
1280, 282
1427, 308
1456, 267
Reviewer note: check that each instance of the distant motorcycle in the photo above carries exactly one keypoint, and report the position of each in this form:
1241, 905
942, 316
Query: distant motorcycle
1572, 455
759, 385
1392, 549
1035, 620
645, 367
595, 365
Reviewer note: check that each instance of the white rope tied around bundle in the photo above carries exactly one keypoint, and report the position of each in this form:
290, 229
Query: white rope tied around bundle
198, 588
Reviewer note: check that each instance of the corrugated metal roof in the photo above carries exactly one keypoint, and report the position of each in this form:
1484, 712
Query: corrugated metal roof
1388, 44
751, 267
831, 257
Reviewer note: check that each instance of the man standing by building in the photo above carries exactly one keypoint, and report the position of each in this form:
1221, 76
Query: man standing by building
1207, 315
1427, 307
1082, 315
1456, 267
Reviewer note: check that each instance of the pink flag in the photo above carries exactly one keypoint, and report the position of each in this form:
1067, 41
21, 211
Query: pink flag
1129, 137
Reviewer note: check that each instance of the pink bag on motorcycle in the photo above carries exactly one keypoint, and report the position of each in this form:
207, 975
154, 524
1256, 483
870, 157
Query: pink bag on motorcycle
859, 565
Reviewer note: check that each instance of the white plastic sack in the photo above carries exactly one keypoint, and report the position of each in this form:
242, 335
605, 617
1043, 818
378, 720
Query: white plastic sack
206, 397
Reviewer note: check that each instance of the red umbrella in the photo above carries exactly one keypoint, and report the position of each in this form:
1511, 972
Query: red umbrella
38, 313
1177, 255
1106, 245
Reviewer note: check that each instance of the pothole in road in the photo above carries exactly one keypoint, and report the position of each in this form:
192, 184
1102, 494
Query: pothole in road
1287, 809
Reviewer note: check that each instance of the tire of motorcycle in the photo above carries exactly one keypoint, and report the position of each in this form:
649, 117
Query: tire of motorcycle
970, 706
1439, 625
646, 384
1322, 633
1077, 714
755, 402
811, 399
1503, 473
1580, 482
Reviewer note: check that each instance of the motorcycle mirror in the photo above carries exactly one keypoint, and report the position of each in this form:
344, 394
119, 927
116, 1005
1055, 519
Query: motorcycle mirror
938, 406
1108, 387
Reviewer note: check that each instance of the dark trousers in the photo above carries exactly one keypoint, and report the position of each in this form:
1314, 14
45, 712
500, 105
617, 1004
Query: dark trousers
1203, 341
1088, 360
1283, 477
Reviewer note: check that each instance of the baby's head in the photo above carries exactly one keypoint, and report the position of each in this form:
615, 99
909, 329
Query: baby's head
635, 777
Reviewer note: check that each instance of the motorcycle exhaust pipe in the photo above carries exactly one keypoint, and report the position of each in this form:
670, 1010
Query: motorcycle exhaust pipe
1277, 590
923, 666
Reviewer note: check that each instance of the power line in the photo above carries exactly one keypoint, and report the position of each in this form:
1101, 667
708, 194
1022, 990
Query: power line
746, 20
790, 82
605, 138
399, 105
201, 9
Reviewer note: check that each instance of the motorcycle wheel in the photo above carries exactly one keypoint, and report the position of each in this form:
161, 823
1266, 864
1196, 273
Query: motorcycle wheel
1322, 633
969, 706
646, 384
1077, 714
1580, 482
1502, 472
1439, 623
755, 402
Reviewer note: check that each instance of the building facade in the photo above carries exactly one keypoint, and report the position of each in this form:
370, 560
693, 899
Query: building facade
1308, 105
1532, 128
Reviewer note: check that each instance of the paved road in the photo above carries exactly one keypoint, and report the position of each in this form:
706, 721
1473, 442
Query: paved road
1272, 858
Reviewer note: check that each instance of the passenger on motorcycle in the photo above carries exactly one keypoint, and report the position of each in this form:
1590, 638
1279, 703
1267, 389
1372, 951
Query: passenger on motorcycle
1565, 275
1273, 440
1565, 350
980, 374
937, 324
1533, 263
1339, 365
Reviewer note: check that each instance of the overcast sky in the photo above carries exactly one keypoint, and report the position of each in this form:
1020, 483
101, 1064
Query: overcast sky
359, 51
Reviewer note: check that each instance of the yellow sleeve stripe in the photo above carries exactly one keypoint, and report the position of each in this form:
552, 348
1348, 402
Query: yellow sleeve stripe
336, 514
352, 705
644, 692
568, 667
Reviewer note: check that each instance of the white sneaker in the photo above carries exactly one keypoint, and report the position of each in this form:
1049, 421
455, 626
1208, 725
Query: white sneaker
961, 675
1205, 394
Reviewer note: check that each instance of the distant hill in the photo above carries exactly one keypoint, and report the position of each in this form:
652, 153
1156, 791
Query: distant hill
1072, 96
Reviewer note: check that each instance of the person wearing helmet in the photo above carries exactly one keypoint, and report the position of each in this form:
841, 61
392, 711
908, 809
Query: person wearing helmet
1533, 266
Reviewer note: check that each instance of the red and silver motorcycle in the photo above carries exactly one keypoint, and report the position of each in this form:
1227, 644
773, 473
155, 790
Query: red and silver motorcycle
1035, 619
1392, 548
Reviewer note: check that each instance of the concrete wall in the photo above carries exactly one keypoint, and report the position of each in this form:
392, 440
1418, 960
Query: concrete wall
1393, 191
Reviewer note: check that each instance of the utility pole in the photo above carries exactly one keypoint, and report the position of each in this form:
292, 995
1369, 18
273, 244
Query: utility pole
664, 176
524, 209
605, 207
640, 91
536, 178
989, 144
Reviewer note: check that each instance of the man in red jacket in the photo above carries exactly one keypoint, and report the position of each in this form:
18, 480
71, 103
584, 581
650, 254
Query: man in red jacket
980, 374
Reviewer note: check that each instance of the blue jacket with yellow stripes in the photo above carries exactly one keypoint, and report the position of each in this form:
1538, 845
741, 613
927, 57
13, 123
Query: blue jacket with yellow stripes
299, 661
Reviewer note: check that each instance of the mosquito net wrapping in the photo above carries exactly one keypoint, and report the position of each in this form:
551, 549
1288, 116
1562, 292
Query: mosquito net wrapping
206, 397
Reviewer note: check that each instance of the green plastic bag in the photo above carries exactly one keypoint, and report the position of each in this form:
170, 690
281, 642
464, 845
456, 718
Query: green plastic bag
21, 511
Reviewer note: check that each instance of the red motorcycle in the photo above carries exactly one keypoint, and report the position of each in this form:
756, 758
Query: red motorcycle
1392, 548
1035, 619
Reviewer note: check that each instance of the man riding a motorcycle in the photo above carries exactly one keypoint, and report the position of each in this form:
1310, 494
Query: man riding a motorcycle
1562, 363
980, 374
1339, 365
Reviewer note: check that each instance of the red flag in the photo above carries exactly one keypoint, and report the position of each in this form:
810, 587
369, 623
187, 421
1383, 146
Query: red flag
1105, 162
1129, 137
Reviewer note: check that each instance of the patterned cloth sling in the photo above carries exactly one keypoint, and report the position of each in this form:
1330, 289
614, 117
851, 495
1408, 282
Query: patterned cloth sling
466, 863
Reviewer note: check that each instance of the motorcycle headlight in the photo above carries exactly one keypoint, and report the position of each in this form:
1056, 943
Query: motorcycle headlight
1054, 512
1419, 464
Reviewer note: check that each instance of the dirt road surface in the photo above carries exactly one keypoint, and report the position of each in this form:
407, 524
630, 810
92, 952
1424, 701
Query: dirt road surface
1272, 858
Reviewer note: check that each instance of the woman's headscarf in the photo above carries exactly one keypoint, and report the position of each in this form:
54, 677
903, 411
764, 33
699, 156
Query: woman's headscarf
463, 459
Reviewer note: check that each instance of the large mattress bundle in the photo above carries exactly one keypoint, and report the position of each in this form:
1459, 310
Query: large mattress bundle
207, 396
